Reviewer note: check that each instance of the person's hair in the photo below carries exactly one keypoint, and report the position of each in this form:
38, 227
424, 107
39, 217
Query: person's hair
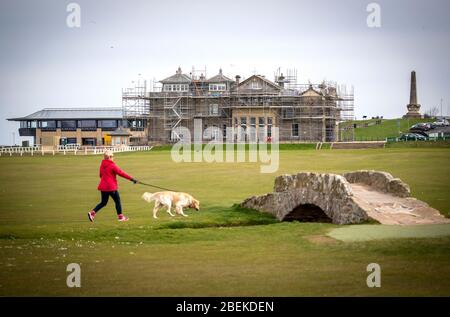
108, 154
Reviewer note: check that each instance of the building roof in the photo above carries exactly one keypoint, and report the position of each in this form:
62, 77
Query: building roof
178, 78
311, 92
272, 84
73, 113
219, 78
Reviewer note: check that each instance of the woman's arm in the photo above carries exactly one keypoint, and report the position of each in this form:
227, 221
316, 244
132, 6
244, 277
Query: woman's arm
121, 173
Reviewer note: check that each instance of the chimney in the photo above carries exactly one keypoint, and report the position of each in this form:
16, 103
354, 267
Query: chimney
237, 80
280, 80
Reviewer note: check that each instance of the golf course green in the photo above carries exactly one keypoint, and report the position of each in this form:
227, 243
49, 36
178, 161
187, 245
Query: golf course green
221, 250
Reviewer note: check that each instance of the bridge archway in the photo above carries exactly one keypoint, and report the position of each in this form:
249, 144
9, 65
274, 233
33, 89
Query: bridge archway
307, 213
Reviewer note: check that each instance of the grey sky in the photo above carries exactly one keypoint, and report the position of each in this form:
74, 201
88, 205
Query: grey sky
44, 63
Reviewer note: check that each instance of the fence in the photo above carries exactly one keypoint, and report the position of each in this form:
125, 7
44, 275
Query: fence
20, 150
74, 150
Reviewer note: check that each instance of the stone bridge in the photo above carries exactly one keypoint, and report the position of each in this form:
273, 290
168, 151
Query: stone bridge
344, 199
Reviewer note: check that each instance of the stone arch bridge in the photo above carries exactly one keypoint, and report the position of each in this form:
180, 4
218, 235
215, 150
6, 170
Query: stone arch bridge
344, 199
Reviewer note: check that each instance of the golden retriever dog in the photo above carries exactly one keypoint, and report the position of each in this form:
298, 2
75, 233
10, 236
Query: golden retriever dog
170, 199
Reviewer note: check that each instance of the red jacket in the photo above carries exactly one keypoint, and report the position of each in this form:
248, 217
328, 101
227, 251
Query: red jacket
108, 172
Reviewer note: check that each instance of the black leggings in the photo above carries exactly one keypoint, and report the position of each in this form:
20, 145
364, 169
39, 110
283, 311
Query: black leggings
105, 196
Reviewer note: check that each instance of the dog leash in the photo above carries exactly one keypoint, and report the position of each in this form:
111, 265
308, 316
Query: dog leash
154, 186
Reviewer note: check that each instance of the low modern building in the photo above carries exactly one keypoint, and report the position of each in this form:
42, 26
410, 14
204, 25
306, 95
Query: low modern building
83, 126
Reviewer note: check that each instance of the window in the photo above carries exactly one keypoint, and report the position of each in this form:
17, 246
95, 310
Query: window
288, 113
89, 141
176, 87
261, 122
243, 122
137, 124
217, 87
68, 124
269, 127
252, 129
295, 129
87, 124
107, 123
48, 124
224, 131
213, 109
261, 127
242, 134
65, 141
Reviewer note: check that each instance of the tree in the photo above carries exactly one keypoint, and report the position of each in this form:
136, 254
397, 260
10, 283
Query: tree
432, 112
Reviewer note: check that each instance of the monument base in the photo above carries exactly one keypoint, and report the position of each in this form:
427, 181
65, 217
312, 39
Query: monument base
415, 115
413, 111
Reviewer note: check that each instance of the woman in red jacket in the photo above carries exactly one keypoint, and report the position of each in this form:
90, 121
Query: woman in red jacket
108, 186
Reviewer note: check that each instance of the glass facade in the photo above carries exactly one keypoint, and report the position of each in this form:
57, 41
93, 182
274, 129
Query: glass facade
68, 124
107, 123
87, 124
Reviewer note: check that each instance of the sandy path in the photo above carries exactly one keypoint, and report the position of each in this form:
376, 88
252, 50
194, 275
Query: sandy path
392, 210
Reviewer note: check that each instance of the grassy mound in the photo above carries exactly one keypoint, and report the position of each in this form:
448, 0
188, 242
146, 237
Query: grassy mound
380, 129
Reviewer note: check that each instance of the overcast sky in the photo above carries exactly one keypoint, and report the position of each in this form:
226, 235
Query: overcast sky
44, 63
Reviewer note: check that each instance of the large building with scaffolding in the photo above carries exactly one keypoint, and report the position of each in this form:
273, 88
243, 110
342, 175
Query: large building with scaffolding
301, 112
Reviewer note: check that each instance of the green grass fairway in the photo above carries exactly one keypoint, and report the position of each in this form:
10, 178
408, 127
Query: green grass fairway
374, 232
222, 250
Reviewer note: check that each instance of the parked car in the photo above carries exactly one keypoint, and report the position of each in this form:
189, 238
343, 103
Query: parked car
441, 123
421, 132
422, 126
412, 137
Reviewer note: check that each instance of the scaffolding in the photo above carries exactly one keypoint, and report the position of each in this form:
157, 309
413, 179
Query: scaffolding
136, 110
134, 103
302, 112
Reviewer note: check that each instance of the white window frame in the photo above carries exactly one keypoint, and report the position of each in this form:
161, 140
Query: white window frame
217, 87
176, 87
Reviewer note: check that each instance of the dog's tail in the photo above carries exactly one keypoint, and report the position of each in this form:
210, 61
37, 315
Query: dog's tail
148, 196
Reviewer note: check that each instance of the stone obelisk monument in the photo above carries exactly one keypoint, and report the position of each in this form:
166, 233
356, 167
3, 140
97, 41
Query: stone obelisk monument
413, 106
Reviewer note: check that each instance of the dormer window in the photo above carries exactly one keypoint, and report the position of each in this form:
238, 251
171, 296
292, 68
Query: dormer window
176, 87
217, 87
